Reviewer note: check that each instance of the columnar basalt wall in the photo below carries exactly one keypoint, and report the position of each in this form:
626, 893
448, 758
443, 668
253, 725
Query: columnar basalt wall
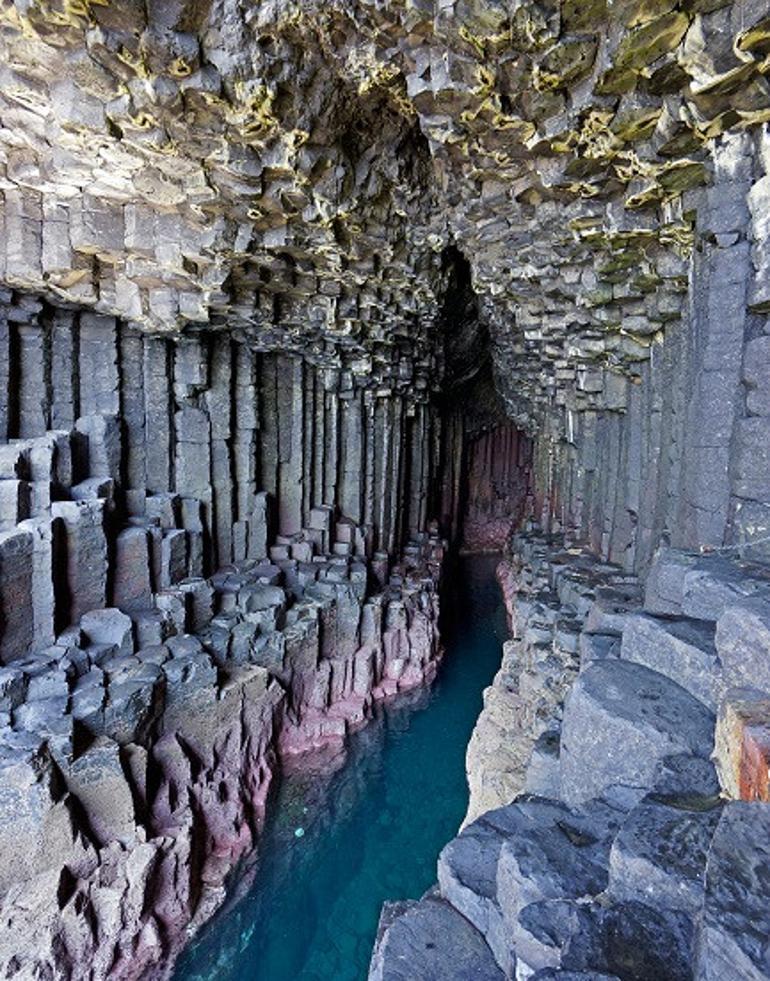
307, 176
497, 475
210, 557
133, 465
618, 815
676, 454
282, 283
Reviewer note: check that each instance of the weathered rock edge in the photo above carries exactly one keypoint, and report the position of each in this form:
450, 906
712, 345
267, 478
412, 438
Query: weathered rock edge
603, 842
133, 778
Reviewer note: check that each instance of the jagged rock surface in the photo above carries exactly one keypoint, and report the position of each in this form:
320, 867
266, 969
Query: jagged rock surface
300, 175
274, 278
549, 596
134, 776
629, 855
144, 696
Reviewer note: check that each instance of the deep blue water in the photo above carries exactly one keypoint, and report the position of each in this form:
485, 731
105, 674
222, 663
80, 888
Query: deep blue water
372, 820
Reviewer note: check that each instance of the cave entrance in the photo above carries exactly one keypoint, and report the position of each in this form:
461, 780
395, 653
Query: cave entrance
485, 488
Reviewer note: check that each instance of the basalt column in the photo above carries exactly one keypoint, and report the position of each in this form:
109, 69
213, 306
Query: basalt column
497, 490
210, 556
135, 466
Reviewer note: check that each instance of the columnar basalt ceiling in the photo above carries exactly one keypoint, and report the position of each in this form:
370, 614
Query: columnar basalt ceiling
293, 172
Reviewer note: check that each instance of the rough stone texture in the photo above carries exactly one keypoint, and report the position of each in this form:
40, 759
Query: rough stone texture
660, 854
620, 720
743, 642
143, 699
275, 278
497, 478
137, 775
629, 863
732, 940
549, 594
601, 172
742, 744
430, 940
681, 649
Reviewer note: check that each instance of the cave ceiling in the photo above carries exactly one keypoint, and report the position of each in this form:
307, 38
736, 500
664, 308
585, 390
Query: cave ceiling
295, 171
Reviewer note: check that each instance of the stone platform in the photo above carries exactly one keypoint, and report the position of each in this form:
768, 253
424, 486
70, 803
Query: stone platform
618, 825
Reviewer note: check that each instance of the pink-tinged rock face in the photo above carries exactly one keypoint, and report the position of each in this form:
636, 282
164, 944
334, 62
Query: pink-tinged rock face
498, 489
755, 762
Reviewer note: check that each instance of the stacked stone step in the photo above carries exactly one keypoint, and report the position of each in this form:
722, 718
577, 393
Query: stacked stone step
638, 846
728, 603
554, 597
34, 472
58, 497
180, 455
139, 724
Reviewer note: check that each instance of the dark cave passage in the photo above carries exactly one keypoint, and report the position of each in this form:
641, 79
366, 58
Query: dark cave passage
349, 829
497, 488
485, 488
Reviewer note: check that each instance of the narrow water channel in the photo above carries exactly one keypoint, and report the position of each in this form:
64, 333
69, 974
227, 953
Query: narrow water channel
348, 833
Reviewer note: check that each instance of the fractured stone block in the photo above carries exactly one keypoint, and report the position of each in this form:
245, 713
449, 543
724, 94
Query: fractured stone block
173, 557
104, 444
680, 649
80, 558
742, 745
131, 582
620, 720
14, 501
16, 594
110, 627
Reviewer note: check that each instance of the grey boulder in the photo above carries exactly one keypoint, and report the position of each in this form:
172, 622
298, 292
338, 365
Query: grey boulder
430, 941
734, 938
680, 648
659, 855
743, 642
620, 720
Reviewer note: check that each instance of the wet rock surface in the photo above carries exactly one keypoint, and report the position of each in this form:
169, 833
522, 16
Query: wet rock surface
143, 700
134, 778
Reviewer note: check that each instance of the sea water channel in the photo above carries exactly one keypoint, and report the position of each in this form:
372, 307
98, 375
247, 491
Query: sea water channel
346, 833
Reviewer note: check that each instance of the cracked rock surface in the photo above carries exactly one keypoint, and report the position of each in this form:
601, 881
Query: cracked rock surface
606, 843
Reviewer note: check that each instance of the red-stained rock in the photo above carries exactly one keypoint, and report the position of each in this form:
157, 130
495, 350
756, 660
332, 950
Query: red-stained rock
497, 489
742, 745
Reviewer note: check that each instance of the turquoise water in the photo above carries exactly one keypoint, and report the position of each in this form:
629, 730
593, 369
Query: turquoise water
350, 832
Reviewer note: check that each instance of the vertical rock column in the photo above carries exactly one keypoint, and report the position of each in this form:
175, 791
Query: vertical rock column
178, 456
290, 399
497, 487
17, 632
721, 277
157, 415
